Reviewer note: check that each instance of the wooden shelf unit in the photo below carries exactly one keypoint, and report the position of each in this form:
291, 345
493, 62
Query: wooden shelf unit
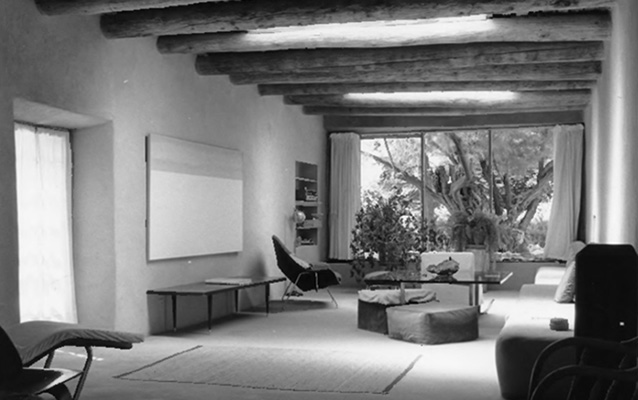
307, 201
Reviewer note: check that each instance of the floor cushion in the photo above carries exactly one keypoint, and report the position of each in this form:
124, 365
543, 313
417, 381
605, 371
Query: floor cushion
433, 323
372, 305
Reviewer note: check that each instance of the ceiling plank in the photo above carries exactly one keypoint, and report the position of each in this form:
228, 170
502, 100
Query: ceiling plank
550, 28
439, 56
403, 72
250, 15
514, 100
370, 124
388, 87
425, 111
92, 7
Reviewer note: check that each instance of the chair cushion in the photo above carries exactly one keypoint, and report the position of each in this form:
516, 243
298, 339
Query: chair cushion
35, 339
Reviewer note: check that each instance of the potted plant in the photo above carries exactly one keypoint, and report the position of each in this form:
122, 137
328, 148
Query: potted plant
474, 229
386, 235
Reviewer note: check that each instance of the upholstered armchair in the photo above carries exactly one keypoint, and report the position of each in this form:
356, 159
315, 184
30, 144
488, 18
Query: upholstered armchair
304, 275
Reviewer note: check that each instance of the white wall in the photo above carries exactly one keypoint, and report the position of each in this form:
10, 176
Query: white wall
65, 62
612, 137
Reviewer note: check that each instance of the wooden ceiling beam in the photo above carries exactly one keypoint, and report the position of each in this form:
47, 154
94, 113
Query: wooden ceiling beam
438, 56
370, 124
426, 111
404, 72
92, 7
515, 100
549, 28
250, 15
389, 87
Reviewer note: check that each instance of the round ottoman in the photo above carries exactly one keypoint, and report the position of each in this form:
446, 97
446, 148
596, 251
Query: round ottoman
433, 323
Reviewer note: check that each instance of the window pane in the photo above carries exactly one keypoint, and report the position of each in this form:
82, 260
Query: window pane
456, 163
523, 171
389, 164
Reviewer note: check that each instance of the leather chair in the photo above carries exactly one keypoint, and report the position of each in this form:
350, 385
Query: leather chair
304, 275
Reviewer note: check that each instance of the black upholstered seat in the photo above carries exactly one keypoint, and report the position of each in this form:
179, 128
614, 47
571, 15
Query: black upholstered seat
306, 276
18, 382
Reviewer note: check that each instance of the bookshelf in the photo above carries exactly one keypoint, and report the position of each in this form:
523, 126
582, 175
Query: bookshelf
307, 201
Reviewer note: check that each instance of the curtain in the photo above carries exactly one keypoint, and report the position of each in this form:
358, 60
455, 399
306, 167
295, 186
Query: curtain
43, 174
345, 192
565, 210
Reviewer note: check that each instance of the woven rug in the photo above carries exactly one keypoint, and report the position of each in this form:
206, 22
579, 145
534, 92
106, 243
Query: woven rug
280, 369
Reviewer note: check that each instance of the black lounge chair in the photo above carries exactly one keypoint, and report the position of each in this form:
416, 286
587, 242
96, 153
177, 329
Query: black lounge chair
18, 382
33, 341
304, 275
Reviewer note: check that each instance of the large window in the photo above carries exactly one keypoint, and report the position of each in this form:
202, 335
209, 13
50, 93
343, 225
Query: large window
43, 177
506, 173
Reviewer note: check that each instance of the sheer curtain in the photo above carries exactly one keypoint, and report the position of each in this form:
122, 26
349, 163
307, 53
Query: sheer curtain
568, 165
345, 191
43, 169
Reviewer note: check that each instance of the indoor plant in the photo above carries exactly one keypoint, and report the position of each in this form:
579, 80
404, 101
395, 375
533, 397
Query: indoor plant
386, 235
473, 229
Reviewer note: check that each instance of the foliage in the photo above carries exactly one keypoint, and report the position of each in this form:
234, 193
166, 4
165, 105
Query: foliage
434, 236
458, 175
475, 228
386, 234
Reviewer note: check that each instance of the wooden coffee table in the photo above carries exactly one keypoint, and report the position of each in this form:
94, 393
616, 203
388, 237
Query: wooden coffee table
221, 285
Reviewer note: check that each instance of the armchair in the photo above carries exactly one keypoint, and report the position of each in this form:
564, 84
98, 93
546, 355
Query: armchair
305, 276
614, 376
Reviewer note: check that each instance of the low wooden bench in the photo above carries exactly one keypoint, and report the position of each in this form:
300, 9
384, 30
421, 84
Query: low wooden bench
213, 287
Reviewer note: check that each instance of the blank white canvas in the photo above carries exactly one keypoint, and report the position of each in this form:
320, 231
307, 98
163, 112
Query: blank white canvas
194, 199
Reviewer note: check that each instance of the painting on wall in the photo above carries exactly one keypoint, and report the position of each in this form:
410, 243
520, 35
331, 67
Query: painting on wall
195, 199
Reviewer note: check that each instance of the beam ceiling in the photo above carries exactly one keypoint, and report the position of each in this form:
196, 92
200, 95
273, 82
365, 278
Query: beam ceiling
578, 27
547, 52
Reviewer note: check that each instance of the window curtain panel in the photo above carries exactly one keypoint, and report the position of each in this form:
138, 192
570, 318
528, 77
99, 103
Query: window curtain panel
345, 192
565, 210
43, 172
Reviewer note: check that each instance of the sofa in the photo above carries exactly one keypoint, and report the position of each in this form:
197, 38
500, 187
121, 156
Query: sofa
527, 332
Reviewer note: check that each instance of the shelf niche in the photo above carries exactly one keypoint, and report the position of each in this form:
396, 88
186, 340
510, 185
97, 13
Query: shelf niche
307, 201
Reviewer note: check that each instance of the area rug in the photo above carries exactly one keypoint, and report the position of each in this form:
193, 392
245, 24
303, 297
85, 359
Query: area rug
280, 369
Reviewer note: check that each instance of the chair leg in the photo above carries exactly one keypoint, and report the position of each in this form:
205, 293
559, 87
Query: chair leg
333, 298
286, 291
85, 372
60, 392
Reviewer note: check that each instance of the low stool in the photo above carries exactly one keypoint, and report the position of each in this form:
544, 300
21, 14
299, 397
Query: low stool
433, 323
372, 306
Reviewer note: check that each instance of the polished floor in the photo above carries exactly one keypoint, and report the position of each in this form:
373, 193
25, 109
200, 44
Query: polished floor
448, 371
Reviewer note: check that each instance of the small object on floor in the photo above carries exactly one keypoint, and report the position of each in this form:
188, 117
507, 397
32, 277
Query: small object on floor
559, 324
295, 293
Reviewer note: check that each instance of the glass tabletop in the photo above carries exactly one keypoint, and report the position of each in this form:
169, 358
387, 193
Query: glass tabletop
461, 277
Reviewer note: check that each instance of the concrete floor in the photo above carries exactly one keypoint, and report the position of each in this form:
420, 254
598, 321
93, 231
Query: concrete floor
448, 371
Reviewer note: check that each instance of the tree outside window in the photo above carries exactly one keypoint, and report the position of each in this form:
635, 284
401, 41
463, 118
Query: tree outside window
506, 173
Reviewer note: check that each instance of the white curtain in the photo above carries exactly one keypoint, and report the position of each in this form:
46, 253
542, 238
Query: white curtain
345, 191
43, 169
568, 165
